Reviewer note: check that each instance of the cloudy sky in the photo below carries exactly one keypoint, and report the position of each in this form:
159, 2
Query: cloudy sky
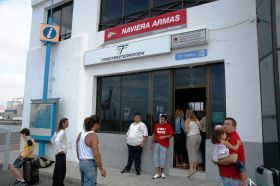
15, 21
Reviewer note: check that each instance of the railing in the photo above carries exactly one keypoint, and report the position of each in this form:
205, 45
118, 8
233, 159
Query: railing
5, 147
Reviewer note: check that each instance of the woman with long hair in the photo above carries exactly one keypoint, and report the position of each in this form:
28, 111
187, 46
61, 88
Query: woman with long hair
59, 140
180, 139
192, 128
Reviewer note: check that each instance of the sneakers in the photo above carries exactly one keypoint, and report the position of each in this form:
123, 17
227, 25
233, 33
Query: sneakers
19, 183
124, 170
156, 176
137, 173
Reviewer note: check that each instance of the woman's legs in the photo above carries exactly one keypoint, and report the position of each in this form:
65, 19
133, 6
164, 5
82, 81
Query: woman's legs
193, 145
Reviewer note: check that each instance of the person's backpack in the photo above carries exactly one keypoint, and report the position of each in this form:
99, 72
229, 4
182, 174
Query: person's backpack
44, 162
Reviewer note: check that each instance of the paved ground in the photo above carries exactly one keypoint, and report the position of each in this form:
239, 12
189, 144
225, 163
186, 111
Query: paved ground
114, 177
7, 179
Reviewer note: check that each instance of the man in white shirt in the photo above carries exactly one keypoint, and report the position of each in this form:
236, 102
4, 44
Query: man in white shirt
136, 138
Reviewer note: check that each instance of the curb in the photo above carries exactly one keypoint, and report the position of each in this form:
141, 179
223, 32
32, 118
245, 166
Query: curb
67, 179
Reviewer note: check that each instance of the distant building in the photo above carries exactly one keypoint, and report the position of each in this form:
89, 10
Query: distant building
2, 109
14, 110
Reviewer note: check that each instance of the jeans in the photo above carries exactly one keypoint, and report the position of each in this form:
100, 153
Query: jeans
134, 153
88, 171
59, 170
230, 182
160, 154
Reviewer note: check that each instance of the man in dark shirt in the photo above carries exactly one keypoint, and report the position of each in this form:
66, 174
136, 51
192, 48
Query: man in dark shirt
229, 172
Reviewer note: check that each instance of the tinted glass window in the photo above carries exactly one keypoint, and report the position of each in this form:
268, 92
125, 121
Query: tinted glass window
278, 22
161, 2
57, 17
270, 135
118, 12
111, 9
218, 93
62, 16
66, 22
109, 104
264, 28
190, 76
161, 94
134, 6
134, 98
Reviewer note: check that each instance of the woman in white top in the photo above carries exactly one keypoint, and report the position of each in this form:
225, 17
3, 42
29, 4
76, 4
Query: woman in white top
192, 129
59, 140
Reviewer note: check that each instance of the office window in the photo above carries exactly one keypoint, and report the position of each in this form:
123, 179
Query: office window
218, 93
134, 98
127, 11
62, 16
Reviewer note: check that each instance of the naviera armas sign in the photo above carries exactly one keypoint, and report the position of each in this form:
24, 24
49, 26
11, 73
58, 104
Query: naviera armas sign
158, 23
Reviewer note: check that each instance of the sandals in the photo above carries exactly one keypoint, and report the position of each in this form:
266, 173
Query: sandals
190, 173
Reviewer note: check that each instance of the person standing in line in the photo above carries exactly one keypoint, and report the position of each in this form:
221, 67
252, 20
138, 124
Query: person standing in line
27, 152
87, 148
180, 138
203, 125
233, 174
59, 140
192, 128
160, 143
136, 138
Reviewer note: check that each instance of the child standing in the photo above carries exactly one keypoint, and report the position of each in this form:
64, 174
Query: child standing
221, 151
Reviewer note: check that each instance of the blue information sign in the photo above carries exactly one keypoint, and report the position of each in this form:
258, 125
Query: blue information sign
191, 54
49, 32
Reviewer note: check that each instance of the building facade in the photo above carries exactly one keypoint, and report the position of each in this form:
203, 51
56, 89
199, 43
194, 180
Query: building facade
153, 58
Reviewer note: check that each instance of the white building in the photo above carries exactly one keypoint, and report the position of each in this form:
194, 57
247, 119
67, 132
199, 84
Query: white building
142, 69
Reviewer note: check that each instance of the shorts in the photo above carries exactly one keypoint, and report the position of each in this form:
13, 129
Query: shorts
240, 166
230, 182
160, 155
18, 163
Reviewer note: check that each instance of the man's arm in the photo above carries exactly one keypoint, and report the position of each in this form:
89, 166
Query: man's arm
97, 156
145, 135
169, 133
166, 136
144, 141
152, 141
77, 142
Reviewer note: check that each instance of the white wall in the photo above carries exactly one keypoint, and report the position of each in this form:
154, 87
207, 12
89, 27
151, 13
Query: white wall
232, 39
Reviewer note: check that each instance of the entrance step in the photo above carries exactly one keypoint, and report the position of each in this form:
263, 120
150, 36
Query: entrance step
183, 173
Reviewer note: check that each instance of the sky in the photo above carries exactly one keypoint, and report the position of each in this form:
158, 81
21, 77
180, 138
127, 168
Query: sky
15, 21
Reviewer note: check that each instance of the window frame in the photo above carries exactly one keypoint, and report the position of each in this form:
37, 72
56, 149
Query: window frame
57, 9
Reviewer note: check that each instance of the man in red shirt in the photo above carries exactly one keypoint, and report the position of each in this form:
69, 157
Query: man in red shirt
160, 143
229, 172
